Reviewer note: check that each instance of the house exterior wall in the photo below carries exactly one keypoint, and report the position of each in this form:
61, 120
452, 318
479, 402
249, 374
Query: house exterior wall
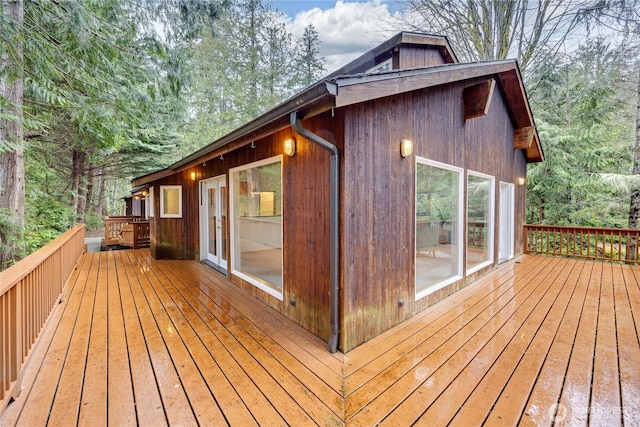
378, 196
377, 211
305, 213
173, 238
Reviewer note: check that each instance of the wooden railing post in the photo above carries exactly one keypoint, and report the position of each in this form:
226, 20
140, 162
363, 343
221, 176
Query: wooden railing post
136, 229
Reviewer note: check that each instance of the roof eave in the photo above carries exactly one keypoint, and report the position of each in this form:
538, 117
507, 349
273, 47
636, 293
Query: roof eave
311, 101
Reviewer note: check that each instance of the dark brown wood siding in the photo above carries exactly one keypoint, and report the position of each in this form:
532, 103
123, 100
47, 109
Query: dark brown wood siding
417, 56
377, 217
306, 217
378, 285
176, 238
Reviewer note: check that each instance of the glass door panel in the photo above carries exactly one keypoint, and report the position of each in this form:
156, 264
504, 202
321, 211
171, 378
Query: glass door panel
214, 223
223, 221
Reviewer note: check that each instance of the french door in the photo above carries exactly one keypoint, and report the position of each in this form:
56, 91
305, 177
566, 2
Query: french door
213, 221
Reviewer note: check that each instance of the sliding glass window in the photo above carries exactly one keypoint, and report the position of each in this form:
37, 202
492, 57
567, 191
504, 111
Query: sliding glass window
256, 233
480, 210
438, 226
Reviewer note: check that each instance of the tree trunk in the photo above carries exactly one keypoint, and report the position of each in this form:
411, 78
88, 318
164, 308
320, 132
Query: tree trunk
114, 200
634, 208
634, 204
88, 205
101, 201
78, 183
12, 136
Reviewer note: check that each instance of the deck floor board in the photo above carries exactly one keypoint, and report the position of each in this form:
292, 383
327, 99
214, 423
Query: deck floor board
549, 382
146, 394
137, 341
501, 355
121, 402
605, 406
481, 348
512, 400
313, 373
431, 365
439, 323
628, 343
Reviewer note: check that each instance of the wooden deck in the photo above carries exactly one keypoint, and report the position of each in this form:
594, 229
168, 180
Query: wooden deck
139, 341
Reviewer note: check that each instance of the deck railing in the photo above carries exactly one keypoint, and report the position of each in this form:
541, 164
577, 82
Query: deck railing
135, 234
607, 244
113, 228
28, 292
128, 231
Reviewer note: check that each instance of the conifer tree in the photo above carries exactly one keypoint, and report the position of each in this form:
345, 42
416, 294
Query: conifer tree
11, 130
310, 62
102, 99
246, 66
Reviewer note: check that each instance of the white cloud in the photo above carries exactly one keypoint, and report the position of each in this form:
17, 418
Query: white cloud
347, 30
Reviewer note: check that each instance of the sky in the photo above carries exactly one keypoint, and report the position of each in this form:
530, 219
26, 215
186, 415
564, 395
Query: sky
347, 28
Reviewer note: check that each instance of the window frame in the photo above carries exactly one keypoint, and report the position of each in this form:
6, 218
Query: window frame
490, 222
150, 202
162, 201
420, 294
260, 284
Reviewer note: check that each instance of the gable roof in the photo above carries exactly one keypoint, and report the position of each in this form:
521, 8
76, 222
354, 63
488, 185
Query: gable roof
343, 90
379, 53
365, 87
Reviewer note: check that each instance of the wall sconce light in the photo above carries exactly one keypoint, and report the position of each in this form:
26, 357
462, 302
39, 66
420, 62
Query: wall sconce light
406, 147
522, 180
290, 146
144, 193
193, 176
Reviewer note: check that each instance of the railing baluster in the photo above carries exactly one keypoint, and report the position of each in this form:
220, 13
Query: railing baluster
606, 244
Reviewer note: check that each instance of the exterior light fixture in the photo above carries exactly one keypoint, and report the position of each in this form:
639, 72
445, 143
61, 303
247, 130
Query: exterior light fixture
290, 146
406, 147
193, 176
522, 180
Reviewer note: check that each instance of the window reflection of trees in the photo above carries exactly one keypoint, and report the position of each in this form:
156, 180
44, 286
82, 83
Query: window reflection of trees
479, 231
